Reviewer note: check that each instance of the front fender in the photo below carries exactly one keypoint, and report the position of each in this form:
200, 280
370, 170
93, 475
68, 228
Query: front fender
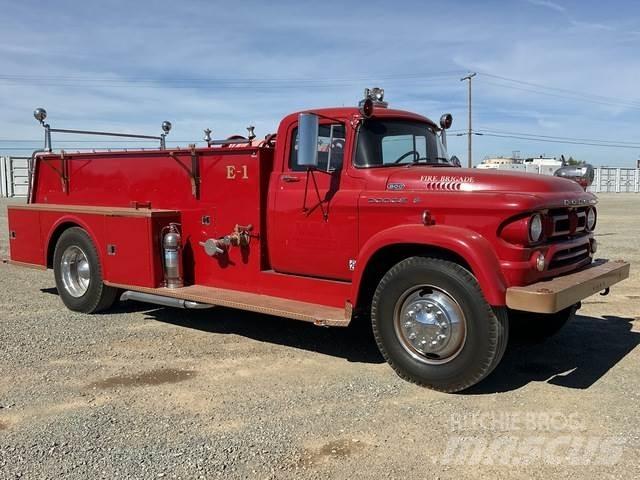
467, 244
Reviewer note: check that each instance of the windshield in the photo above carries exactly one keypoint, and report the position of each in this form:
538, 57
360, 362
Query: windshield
383, 143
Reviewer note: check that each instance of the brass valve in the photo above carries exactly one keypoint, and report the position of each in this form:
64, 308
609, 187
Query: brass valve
240, 237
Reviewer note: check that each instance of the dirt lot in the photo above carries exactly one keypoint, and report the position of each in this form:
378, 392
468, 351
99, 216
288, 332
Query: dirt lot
145, 392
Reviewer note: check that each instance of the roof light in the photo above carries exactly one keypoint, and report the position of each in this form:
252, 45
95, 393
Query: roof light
446, 120
376, 95
40, 114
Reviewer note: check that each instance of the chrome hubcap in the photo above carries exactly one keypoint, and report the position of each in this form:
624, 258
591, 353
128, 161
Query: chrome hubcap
430, 324
76, 272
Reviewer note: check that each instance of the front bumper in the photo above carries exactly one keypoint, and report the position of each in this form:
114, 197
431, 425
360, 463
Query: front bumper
551, 296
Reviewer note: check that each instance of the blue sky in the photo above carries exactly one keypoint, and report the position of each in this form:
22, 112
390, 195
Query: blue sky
125, 65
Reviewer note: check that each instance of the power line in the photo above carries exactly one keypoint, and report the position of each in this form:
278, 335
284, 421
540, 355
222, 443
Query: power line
494, 130
481, 131
611, 145
228, 79
561, 90
557, 95
223, 83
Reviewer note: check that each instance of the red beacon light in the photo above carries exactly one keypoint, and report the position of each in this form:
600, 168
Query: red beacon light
366, 107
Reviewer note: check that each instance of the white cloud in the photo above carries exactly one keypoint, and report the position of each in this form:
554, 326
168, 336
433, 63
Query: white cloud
547, 4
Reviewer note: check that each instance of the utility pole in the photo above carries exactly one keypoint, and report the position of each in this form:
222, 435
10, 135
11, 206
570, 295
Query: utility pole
470, 131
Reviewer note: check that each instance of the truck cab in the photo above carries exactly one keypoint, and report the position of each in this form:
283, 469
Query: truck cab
343, 213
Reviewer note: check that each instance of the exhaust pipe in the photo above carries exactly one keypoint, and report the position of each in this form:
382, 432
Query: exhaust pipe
162, 300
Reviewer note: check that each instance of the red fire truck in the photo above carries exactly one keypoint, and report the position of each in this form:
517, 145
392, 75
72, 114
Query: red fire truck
343, 213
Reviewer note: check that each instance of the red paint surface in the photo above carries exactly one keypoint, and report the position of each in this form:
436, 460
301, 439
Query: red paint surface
294, 253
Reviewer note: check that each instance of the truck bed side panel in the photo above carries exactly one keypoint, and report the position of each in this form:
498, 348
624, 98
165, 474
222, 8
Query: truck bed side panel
25, 242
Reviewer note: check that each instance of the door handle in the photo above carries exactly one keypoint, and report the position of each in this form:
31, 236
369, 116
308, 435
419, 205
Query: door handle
290, 178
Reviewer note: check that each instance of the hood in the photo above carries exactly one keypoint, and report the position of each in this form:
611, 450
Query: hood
446, 179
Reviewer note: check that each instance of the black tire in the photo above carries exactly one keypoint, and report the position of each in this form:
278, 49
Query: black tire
98, 296
532, 328
487, 330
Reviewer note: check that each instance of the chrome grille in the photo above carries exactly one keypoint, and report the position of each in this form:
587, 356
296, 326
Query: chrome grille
569, 256
567, 221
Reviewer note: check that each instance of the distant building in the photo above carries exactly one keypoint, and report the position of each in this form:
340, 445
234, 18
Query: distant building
496, 162
542, 164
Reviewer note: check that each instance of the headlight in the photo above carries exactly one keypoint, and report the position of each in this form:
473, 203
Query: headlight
523, 230
591, 219
535, 228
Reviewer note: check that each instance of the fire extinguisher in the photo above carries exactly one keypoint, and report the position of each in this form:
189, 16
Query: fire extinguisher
172, 256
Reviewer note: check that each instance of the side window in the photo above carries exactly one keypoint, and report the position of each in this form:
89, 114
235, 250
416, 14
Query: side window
331, 140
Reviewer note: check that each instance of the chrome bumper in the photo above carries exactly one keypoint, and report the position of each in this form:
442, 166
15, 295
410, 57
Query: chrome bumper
551, 296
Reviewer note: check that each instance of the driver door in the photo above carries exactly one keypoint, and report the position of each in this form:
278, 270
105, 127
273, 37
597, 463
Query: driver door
314, 227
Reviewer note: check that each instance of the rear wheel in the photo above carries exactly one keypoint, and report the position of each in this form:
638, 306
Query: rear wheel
434, 326
78, 273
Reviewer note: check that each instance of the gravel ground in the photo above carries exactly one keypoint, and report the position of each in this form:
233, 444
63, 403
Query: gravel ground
145, 392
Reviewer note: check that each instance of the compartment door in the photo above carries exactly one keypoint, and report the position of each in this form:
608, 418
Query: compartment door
25, 241
128, 251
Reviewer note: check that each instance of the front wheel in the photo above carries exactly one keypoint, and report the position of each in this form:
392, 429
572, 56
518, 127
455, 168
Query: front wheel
78, 273
434, 326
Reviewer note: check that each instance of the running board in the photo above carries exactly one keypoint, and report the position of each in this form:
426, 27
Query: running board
281, 307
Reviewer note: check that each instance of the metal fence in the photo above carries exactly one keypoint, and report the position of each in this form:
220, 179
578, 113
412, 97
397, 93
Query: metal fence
14, 176
616, 180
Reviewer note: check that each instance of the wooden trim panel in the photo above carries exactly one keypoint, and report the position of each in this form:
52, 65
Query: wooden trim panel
253, 302
95, 210
554, 295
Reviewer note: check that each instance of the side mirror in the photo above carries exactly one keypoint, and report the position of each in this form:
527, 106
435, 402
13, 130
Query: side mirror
455, 161
308, 140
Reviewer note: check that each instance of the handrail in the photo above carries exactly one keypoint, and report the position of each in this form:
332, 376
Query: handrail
40, 115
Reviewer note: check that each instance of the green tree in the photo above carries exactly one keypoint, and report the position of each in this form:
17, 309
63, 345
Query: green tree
573, 161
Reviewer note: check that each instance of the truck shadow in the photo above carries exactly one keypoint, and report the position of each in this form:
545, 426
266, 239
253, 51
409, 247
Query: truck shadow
577, 357
354, 343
